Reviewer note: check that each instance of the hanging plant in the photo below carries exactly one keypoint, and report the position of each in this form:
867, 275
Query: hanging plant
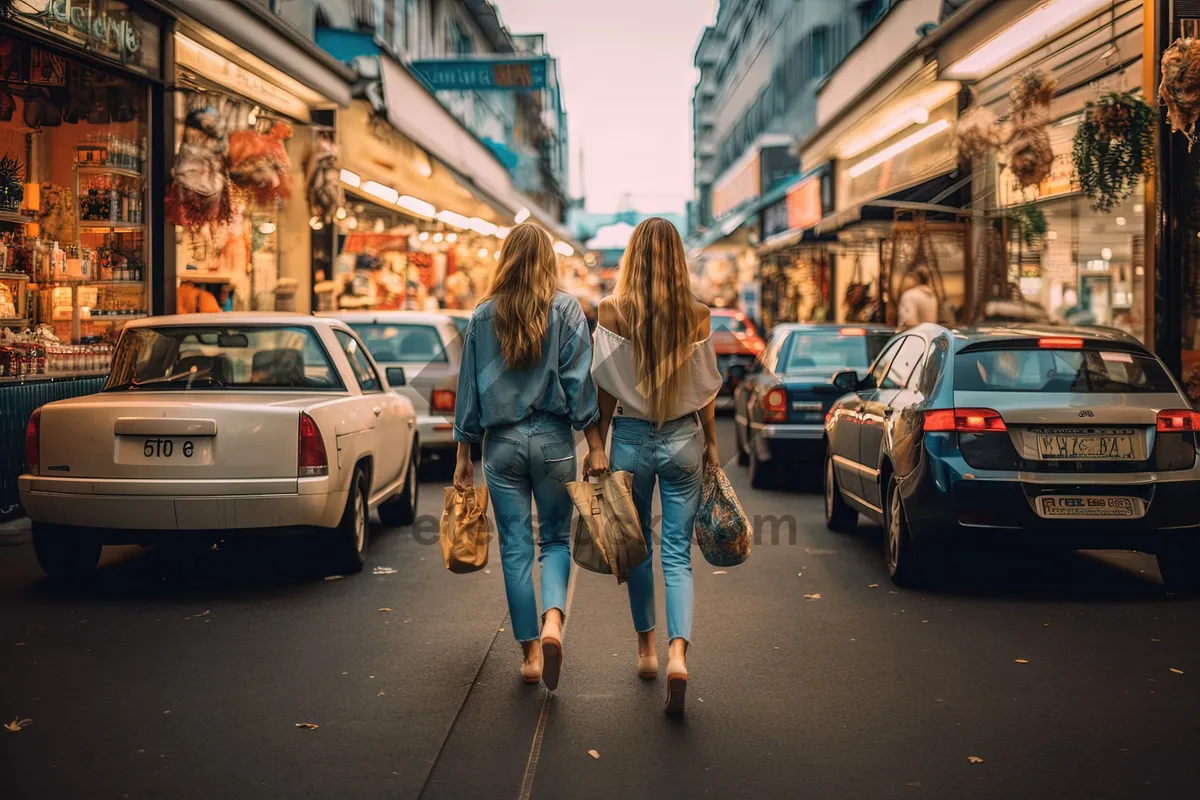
1180, 87
1114, 148
324, 183
1030, 156
1030, 220
978, 133
1031, 94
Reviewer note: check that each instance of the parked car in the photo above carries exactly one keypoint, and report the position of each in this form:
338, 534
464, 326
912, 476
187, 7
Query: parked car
427, 345
737, 343
1070, 437
780, 402
460, 317
211, 424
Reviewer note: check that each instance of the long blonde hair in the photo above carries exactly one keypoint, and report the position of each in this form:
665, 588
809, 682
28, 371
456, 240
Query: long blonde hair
523, 290
657, 311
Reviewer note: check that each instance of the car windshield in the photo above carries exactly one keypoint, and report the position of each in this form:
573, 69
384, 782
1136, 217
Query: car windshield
1065, 371
832, 350
184, 358
402, 343
721, 322
460, 323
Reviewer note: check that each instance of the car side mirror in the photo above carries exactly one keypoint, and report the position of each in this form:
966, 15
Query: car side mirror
847, 381
395, 377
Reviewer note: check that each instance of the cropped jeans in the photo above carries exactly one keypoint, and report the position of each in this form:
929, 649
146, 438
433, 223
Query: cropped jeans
673, 455
532, 461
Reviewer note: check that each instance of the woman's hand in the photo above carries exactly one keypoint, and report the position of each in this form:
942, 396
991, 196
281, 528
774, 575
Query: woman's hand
464, 472
712, 457
596, 462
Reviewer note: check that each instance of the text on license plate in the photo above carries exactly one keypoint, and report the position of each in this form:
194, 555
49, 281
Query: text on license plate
1089, 506
174, 450
1096, 446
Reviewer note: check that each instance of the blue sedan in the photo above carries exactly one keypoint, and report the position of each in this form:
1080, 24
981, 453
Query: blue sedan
780, 402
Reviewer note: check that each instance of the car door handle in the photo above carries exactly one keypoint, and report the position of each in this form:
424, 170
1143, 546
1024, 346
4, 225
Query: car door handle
377, 411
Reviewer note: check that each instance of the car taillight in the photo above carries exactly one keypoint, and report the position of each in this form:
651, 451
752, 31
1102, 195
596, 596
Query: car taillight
443, 400
775, 405
312, 460
964, 420
1060, 343
1173, 421
33, 442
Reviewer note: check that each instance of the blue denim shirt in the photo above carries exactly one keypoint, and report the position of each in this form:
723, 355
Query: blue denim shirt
490, 394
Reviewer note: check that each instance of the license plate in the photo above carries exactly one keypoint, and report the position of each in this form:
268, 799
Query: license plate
1094, 446
174, 450
1090, 507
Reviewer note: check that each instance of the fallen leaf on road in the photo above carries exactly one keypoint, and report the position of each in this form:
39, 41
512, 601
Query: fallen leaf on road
916, 784
22, 644
372, 677
593, 754
16, 725
1022, 661
719, 572
924, 620
384, 571
1177, 671
204, 613
487, 572
308, 726
873, 586
892, 591
812, 596
379, 695
501, 630
975, 759
385, 609
1153, 640
334, 577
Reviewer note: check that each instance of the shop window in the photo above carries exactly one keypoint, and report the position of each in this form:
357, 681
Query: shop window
820, 52
73, 213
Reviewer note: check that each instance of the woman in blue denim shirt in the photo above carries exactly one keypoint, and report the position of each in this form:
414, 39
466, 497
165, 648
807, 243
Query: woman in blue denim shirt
657, 375
525, 383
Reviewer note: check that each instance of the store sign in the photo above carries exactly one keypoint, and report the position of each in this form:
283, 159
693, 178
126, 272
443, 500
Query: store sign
521, 74
118, 36
804, 204
217, 68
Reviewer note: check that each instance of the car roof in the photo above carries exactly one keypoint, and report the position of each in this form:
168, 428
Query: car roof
234, 318
412, 317
831, 326
1025, 330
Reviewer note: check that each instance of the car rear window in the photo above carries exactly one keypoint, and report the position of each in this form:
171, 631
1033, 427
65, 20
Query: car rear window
832, 350
181, 358
403, 343
1088, 371
720, 322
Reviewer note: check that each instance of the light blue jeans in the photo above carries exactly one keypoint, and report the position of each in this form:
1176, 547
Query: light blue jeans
532, 461
673, 455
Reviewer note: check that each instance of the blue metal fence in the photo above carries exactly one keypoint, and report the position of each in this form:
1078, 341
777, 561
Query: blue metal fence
17, 402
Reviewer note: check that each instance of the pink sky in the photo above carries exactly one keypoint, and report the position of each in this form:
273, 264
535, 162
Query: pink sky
627, 75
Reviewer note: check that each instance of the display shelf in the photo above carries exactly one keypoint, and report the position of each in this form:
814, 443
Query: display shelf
107, 317
15, 323
14, 276
54, 376
205, 277
102, 170
14, 218
105, 225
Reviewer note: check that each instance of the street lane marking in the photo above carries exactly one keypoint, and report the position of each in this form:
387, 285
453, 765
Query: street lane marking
535, 748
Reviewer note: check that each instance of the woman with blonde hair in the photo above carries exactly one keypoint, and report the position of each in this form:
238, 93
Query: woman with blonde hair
524, 385
656, 371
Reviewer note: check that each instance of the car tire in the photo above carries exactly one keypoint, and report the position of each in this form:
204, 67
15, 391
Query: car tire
353, 532
402, 509
762, 473
742, 439
65, 555
906, 562
1180, 569
839, 516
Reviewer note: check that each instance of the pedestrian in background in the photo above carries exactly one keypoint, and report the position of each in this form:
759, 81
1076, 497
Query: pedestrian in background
524, 384
918, 303
656, 372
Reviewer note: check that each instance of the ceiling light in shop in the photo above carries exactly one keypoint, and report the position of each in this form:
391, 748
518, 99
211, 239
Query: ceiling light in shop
351, 178
1106, 254
424, 236
379, 226
563, 249
907, 143
416, 206
1052, 235
483, 252
1033, 30
457, 220
452, 237
892, 126
1121, 220
384, 193
1139, 209
267, 228
502, 233
481, 226
437, 237
340, 213
352, 223
315, 223
522, 215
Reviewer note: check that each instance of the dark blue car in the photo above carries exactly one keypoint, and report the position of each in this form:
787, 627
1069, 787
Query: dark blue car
780, 402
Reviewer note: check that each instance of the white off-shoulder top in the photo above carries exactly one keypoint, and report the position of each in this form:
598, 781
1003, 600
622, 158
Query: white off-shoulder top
613, 370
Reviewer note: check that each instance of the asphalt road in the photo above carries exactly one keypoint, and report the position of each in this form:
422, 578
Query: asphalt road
184, 675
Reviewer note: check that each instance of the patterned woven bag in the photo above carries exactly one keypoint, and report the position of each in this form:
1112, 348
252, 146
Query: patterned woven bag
722, 529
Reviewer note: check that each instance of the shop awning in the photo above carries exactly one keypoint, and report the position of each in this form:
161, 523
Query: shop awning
883, 211
730, 224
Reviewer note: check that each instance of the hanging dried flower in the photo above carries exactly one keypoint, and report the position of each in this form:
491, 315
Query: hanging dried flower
1030, 156
1114, 148
1031, 94
1180, 88
323, 177
978, 133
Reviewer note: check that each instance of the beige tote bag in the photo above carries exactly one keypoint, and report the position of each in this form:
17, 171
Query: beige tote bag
608, 535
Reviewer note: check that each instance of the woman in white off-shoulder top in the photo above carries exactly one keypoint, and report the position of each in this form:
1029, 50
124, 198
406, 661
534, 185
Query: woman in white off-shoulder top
656, 374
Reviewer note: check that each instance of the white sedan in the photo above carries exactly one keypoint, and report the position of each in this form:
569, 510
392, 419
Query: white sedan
211, 424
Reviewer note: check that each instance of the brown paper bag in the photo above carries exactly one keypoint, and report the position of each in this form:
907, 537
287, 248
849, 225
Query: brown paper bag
465, 529
608, 535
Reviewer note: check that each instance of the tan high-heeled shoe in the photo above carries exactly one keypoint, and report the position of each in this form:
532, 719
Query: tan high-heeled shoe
531, 673
647, 667
677, 676
552, 658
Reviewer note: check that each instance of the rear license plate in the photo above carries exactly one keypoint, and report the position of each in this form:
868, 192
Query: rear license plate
1090, 507
1095, 446
177, 451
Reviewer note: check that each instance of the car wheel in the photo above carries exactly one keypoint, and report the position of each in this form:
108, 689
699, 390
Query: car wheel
742, 439
1180, 569
839, 516
906, 563
762, 473
63, 554
402, 509
354, 530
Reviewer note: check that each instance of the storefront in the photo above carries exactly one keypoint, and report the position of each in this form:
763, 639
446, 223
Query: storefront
795, 267
79, 91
